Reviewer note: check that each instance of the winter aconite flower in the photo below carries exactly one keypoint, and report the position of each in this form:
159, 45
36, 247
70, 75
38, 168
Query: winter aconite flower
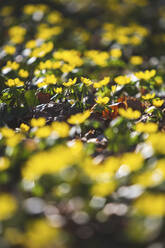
23, 73
9, 49
150, 204
4, 163
116, 53
8, 206
102, 100
129, 113
24, 127
86, 81
40, 122
136, 60
79, 118
149, 127
148, 96
61, 129
122, 80
14, 82
146, 75
70, 82
157, 102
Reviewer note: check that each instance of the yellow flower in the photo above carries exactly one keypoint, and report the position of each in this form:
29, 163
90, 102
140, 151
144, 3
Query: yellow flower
11, 65
158, 80
41, 51
79, 118
17, 34
4, 163
43, 132
97, 85
113, 88
58, 90
147, 179
148, 96
99, 58
7, 132
52, 161
146, 75
136, 60
7, 207
157, 140
101, 83
9, 49
54, 17
48, 64
149, 127
86, 81
70, 82
40, 234
129, 113
150, 204
40, 122
14, 140
46, 32
152, 177
133, 161
29, 9
103, 189
71, 57
122, 80
116, 53
60, 128
14, 82
23, 73
31, 44
49, 79
102, 100
157, 102
66, 68
56, 64
24, 127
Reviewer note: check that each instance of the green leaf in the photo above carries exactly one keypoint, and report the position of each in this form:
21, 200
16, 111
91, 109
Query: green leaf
30, 97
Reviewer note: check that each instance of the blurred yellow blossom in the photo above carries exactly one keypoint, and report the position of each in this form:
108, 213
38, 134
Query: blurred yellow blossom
157, 102
146, 75
40, 122
23, 73
148, 96
9, 49
40, 234
102, 100
60, 128
52, 161
129, 113
86, 81
133, 161
70, 82
136, 60
103, 188
79, 118
116, 53
43, 132
149, 127
24, 127
122, 80
4, 163
150, 204
157, 140
8, 206
14, 82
